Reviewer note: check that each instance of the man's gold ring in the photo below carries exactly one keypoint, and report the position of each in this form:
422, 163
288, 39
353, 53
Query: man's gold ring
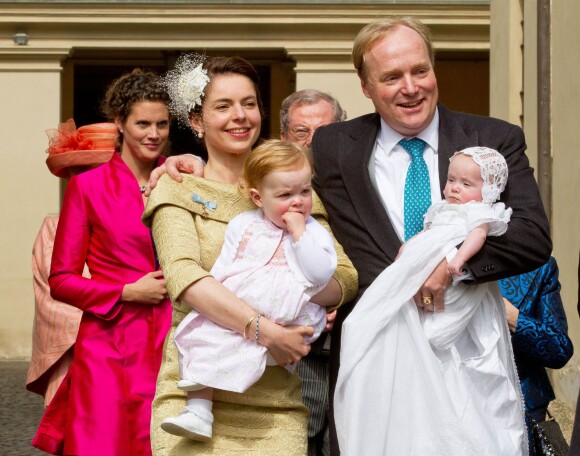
426, 300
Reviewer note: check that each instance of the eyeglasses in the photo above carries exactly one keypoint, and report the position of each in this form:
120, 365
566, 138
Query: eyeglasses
301, 132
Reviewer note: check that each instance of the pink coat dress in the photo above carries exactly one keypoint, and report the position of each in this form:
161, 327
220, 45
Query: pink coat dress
103, 406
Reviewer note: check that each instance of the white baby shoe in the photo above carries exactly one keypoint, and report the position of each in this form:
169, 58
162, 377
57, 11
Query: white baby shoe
190, 425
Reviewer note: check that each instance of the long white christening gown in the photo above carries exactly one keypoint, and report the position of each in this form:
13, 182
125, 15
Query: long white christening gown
414, 383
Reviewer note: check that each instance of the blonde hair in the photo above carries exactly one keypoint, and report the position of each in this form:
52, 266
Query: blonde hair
375, 31
272, 156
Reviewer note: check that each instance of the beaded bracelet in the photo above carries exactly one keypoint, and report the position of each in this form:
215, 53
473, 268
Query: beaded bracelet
248, 325
258, 328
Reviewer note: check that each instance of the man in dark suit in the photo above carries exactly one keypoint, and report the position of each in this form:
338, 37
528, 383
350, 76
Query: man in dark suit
361, 169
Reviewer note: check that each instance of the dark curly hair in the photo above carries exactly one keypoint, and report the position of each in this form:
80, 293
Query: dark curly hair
130, 88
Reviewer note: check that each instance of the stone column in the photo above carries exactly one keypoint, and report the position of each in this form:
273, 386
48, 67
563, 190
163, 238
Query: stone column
333, 73
30, 93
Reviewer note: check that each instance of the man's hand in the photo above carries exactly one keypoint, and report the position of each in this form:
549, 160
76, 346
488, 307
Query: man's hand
330, 319
430, 296
174, 165
512, 314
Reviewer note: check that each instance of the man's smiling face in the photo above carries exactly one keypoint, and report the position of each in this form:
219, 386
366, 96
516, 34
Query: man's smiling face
400, 81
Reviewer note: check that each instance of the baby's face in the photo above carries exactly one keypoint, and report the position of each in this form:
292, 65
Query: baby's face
464, 181
285, 191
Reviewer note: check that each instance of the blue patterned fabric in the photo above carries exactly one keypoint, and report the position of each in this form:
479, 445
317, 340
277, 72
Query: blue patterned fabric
541, 337
417, 187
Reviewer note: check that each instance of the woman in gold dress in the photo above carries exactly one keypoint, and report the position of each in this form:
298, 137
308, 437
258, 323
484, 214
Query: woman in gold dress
219, 99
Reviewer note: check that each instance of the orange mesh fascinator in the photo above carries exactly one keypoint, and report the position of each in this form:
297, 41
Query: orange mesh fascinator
71, 150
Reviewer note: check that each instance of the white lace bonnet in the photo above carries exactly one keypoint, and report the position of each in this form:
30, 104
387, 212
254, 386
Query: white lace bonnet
493, 168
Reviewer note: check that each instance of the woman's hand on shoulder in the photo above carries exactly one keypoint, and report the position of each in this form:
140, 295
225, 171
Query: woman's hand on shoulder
285, 343
149, 289
174, 166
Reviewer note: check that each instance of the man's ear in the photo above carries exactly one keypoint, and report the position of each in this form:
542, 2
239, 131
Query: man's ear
256, 198
363, 85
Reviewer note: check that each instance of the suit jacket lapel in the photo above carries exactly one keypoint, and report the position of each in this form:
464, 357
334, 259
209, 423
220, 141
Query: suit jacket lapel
452, 138
355, 151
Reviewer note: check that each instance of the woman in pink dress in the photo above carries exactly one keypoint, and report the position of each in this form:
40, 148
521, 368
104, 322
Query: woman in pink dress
103, 406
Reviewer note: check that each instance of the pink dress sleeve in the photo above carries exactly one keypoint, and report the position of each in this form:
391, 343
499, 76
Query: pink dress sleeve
71, 247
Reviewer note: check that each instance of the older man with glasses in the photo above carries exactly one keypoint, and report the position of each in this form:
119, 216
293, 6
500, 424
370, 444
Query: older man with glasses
304, 111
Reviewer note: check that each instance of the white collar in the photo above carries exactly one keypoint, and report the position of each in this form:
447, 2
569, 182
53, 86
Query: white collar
389, 138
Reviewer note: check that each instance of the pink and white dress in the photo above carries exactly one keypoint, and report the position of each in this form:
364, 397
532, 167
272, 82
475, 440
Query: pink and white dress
276, 277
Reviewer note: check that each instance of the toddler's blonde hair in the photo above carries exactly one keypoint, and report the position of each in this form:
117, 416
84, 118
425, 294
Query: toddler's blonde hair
272, 156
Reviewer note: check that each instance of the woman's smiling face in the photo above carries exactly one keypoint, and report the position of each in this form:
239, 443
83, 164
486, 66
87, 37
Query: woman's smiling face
231, 118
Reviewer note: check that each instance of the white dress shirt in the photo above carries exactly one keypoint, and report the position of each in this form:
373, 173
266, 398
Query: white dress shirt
388, 168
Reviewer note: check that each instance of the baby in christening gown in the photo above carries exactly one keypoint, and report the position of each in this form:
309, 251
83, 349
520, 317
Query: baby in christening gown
419, 383
275, 259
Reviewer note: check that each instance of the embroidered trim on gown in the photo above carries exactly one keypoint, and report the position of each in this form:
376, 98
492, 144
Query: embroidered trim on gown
414, 384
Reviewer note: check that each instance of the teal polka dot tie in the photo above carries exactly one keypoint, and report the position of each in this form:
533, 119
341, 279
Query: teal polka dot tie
417, 187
